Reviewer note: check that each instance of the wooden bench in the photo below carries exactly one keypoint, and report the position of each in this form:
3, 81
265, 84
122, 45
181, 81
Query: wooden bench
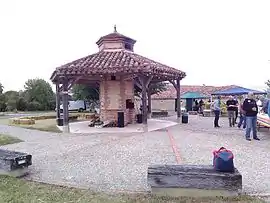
14, 163
159, 114
193, 112
193, 180
208, 113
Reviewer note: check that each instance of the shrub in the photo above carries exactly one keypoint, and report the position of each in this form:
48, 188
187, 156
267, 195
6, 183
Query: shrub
34, 106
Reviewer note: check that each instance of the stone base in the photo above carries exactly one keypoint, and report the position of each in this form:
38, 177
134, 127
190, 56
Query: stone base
15, 173
190, 192
66, 129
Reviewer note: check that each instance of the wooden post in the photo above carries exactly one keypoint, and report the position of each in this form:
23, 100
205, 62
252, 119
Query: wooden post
57, 103
149, 102
144, 83
144, 104
178, 99
65, 106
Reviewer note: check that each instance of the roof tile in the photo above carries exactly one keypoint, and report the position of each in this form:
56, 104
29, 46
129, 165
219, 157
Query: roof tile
170, 93
109, 62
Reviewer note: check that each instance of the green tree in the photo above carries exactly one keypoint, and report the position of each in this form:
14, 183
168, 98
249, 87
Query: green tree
21, 104
2, 99
154, 88
3, 105
39, 95
268, 85
84, 92
1, 88
11, 100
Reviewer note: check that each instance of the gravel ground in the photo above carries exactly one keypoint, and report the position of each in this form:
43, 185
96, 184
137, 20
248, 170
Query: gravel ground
118, 163
198, 139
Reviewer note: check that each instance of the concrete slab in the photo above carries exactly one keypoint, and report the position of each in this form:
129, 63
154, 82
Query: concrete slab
153, 124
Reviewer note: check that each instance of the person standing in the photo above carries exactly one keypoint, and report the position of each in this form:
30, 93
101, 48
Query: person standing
236, 110
231, 105
201, 103
216, 109
242, 116
251, 109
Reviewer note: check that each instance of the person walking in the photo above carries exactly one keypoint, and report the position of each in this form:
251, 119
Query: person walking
251, 109
242, 116
216, 109
231, 105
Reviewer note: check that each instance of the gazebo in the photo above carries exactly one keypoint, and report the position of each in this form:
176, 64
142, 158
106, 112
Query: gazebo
115, 68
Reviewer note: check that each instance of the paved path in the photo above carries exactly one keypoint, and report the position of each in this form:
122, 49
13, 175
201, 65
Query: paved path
118, 162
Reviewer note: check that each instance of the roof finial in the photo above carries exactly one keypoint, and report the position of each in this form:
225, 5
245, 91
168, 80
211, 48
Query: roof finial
115, 28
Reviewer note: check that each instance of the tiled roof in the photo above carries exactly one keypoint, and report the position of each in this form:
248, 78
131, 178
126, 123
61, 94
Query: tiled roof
114, 36
112, 62
170, 93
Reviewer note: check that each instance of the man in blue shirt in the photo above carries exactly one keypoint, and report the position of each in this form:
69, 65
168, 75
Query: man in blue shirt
216, 109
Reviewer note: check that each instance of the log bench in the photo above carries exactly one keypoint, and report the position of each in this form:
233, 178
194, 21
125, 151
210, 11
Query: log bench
193, 180
156, 114
14, 163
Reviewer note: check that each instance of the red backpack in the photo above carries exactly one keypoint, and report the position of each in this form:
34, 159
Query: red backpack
223, 160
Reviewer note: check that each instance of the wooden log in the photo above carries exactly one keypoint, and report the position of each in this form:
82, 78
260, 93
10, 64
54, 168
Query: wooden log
193, 180
14, 163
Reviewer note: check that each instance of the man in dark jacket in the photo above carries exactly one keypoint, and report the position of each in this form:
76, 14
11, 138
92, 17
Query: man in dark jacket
251, 110
231, 106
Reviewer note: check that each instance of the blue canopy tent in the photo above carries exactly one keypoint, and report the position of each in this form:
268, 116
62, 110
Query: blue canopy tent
237, 91
190, 97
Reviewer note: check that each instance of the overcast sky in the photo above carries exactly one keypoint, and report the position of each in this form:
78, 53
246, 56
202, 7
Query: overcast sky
215, 42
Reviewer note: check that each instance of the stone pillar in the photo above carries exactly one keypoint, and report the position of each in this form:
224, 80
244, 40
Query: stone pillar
65, 107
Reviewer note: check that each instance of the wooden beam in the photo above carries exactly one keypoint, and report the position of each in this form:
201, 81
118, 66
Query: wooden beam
74, 82
173, 83
138, 84
144, 81
65, 106
178, 99
57, 101
149, 102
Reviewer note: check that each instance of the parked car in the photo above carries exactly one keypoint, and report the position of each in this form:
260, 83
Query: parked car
79, 105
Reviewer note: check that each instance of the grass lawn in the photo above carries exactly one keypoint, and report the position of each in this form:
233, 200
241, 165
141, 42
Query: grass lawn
19, 190
48, 125
6, 139
43, 125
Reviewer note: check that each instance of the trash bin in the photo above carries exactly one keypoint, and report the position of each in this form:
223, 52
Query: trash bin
60, 121
121, 121
185, 118
139, 118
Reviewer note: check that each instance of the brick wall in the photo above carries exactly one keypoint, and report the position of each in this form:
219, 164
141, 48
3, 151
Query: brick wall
113, 96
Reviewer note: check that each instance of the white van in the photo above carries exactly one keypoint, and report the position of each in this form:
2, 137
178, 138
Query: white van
78, 105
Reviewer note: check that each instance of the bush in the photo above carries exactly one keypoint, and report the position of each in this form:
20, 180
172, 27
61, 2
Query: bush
34, 106
21, 104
